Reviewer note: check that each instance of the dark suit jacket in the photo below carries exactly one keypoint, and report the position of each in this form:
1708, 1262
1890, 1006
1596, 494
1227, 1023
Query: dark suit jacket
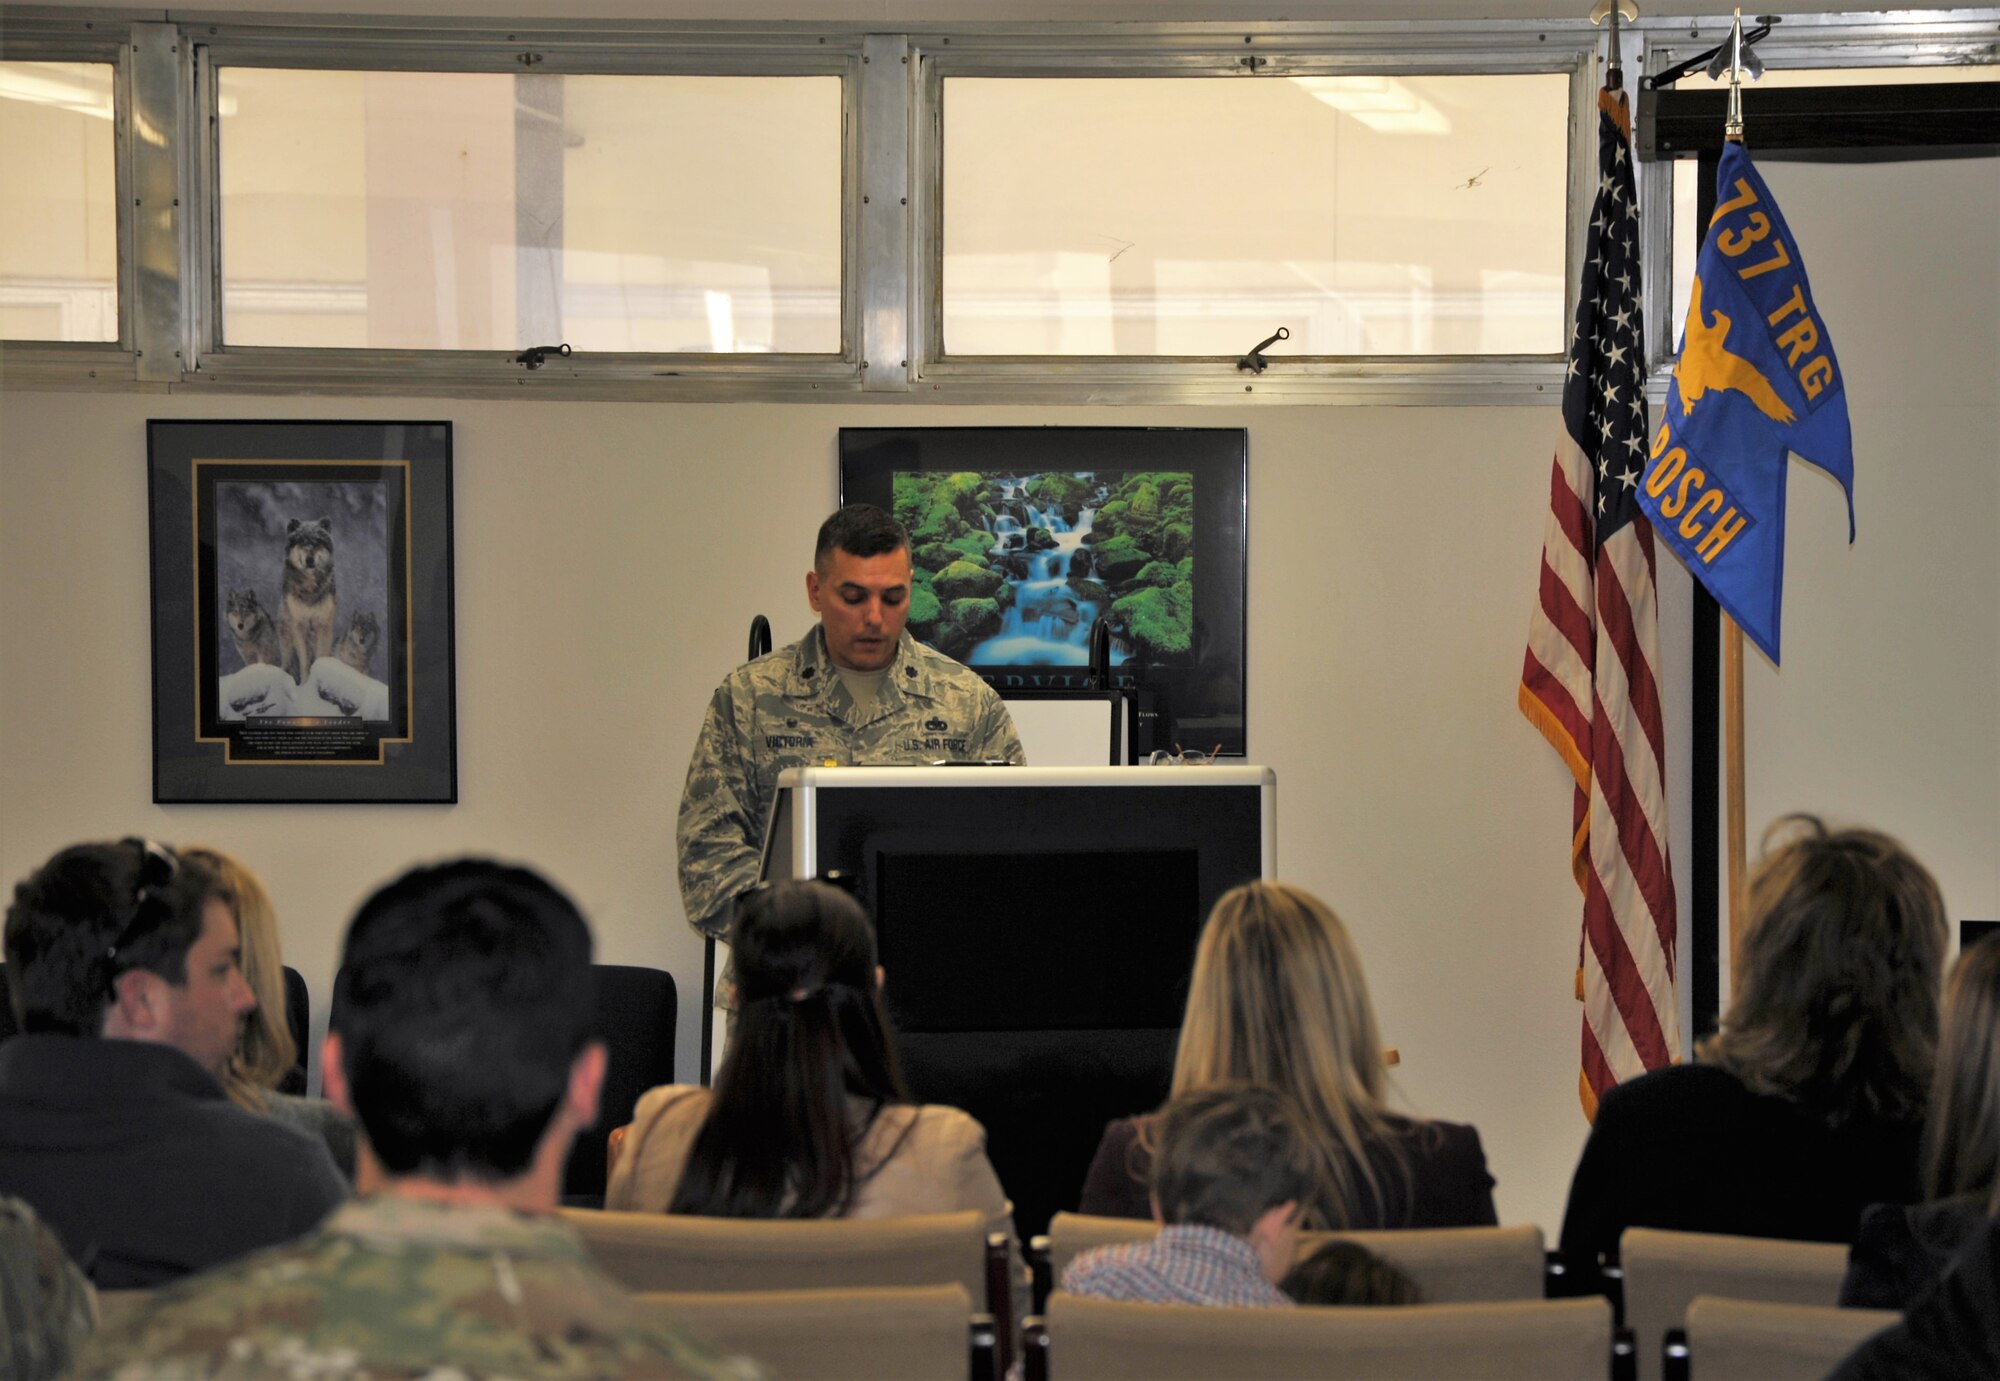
1952, 1330
1692, 1149
1902, 1248
1447, 1186
134, 1155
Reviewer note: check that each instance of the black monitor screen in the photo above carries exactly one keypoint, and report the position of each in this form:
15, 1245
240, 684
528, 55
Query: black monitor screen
1081, 940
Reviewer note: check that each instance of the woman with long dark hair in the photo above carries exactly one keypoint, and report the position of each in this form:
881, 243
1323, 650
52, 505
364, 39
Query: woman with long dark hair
808, 1117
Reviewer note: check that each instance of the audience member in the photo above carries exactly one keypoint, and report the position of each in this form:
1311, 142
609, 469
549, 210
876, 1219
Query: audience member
1230, 1177
122, 960
463, 1050
1952, 1330
1807, 1105
47, 1308
1348, 1273
1278, 1000
265, 1056
1901, 1248
808, 1117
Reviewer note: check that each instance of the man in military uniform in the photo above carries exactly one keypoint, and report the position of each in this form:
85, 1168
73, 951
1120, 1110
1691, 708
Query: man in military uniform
463, 1049
858, 691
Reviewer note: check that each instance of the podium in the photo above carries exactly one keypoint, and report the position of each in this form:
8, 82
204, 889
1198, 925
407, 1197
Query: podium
1037, 928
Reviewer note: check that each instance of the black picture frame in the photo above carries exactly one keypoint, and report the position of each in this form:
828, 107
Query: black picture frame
302, 612
1193, 698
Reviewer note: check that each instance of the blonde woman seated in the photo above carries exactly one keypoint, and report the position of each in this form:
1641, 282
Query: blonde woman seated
808, 1118
1278, 1000
1902, 1248
265, 1052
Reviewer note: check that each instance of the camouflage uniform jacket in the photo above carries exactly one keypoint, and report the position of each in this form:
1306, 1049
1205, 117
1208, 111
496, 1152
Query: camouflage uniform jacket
47, 1308
789, 708
392, 1287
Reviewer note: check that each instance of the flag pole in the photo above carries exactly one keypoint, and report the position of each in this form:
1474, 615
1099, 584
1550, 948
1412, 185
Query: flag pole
1738, 59
1732, 739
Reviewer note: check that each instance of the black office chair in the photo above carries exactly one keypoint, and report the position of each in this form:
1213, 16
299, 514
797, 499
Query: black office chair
298, 1019
636, 1009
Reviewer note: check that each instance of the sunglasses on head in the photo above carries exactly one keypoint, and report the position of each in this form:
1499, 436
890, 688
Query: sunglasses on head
158, 867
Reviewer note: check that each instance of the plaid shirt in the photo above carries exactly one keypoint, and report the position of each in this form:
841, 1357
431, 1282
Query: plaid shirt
1185, 1264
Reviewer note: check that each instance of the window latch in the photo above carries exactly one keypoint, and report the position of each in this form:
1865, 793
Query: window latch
1255, 361
535, 356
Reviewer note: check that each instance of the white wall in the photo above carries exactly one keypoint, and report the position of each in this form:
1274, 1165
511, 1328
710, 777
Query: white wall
1887, 710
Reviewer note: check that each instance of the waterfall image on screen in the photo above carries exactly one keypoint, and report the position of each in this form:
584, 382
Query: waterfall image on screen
1013, 569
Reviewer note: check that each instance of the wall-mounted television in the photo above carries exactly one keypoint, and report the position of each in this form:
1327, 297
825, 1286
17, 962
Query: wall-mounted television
1023, 537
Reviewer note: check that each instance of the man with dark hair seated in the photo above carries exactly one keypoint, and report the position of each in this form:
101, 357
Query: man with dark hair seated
122, 965
463, 1050
1229, 1175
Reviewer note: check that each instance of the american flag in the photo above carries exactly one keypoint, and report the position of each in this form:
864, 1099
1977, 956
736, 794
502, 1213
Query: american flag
1590, 681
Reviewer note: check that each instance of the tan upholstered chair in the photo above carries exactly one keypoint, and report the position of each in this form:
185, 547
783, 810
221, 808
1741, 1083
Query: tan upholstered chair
1542, 1340
659, 1251
1449, 1265
925, 1332
1741, 1340
648, 1252
1664, 1271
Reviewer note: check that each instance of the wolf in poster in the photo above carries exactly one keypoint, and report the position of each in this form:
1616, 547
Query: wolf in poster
302, 592
1012, 569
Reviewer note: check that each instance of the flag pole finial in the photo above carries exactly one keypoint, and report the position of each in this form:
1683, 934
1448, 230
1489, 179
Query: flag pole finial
1737, 60
1614, 10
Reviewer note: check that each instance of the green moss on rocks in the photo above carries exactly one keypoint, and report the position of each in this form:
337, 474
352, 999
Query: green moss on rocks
964, 580
1160, 619
975, 618
1120, 559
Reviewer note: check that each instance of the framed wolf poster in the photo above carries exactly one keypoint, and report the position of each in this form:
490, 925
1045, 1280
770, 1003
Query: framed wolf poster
1022, 538
302, 612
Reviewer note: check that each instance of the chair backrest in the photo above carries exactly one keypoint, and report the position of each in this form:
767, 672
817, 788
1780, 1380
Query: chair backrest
1449, 1265
298, 1020
1744, 1340
636, 1011
651, 1252
920, 1331
8, 1026
1664, 1271
1547, 1340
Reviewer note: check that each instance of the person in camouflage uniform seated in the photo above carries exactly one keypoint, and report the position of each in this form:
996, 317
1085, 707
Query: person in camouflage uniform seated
463, 1050
47, 1308
858, 691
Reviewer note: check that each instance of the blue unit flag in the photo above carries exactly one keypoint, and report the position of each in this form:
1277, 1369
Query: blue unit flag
1757, 378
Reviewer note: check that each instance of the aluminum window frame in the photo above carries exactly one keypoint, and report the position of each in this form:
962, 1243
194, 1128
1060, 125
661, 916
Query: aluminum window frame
1255, 51
1910, 38
135, 54
892, 265
546, 49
